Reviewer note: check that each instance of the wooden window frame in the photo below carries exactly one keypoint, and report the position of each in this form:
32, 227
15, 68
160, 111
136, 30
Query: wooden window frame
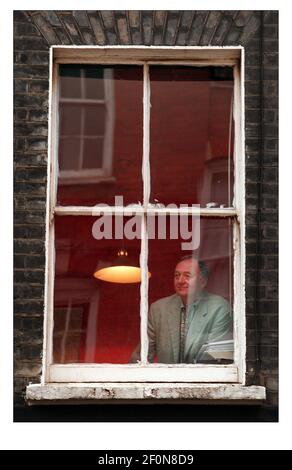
158, 373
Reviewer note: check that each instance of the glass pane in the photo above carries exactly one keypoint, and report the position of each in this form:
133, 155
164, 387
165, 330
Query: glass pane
94, 120
104, 103
95, 320
200, 288
69, 153
94, 82
70, 81
191, 135
93, 149
70, 120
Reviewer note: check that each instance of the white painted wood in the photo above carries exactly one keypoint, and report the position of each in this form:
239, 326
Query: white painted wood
99, 209
47, 292
52, 187
240, 73
183, 373
195, 393
146, 194
239, 231
236, 232
192, 210
236, 288
146, 136
242, 326
54, 123
144, 293
237, 136
138, 373
49, 300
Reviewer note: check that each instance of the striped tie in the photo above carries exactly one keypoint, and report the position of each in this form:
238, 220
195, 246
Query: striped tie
182, 334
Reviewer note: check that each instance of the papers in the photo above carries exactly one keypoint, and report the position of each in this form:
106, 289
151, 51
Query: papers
216, 351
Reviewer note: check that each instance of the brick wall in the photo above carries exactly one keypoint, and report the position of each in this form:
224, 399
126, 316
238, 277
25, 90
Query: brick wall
30, 158
262, 205
34, 32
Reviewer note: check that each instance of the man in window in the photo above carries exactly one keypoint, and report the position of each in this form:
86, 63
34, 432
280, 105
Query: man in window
180, 324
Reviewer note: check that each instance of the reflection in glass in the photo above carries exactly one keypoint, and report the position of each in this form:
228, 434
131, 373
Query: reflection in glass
191, 301
94, 321
191, 135
100, 134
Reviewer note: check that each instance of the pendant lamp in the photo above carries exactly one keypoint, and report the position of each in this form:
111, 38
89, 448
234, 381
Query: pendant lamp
121, 271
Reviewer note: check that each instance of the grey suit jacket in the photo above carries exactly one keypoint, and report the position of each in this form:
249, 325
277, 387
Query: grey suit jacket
211, 322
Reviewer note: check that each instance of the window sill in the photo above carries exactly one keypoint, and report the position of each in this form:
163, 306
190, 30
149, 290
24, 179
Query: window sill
72, 393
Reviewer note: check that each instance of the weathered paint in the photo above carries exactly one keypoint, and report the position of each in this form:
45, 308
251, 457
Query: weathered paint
108, 372
82, 373
109, 392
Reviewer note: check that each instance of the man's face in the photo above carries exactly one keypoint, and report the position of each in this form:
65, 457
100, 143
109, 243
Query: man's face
188, 281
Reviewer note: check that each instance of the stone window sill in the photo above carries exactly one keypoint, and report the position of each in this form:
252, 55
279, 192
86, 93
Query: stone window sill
73, 393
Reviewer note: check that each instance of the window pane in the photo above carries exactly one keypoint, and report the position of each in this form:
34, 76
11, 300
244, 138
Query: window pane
94, 120
106, 104
191, 135
70, 120
205, 290
94, 82
70, 81
93, 149
94, 320
69, 153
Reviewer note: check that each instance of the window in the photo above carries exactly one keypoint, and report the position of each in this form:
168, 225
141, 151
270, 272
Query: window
85, 124
146, 158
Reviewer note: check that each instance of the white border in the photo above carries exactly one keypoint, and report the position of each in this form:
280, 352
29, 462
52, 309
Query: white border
157, 435
103, 372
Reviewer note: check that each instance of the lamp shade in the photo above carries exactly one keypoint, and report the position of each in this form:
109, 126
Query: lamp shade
121, 271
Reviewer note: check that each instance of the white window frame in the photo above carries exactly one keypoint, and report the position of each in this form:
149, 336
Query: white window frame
158, 373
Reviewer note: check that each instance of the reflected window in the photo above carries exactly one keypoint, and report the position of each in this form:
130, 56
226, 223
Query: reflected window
100, 134
86, 107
